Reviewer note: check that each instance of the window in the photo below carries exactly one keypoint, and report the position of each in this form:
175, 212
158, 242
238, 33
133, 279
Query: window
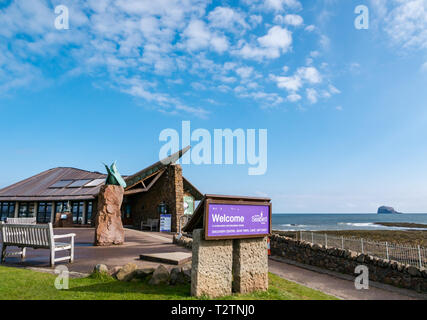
7, 210
78, 183
26, 210
89, 212
61, 183
77, 210
44, 211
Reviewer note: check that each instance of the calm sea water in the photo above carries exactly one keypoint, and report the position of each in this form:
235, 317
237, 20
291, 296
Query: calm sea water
296, 222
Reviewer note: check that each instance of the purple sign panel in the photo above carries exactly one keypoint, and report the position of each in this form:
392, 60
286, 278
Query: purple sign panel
237, 220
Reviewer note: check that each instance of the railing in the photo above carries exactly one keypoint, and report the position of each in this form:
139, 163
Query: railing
412, 255
183, 220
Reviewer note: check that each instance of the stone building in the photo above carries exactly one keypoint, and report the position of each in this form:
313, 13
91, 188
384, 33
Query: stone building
51, 195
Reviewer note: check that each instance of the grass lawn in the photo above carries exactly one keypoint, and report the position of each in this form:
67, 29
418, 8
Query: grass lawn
21, 284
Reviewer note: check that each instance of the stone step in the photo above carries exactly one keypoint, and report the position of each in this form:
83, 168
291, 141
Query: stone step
175, 258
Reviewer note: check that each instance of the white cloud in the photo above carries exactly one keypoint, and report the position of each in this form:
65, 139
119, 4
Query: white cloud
291, 84
324, 42
406, 23
280, 5
255, 20
293, 20
229, 66
197, 36
220, 44
310, 74
293, 97
227, 18
198, 86
267, 99
277, 38
197, 111
310, 28
333, 90
135, 45
304, 76
227, 79
312, 95
244, 72
277, 41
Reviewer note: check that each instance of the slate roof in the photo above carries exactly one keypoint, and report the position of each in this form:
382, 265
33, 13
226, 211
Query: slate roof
39, 187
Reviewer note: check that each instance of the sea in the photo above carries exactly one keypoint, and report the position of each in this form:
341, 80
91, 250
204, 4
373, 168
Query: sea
315, 222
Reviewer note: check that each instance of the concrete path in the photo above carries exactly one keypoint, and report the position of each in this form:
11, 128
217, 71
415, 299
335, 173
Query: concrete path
335, 284
87, 255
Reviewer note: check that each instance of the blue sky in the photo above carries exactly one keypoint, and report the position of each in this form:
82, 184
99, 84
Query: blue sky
345, 109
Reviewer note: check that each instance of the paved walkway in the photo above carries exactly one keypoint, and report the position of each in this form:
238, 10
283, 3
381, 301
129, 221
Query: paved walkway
338, 285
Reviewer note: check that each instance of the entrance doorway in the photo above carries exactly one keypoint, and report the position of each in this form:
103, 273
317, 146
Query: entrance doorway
77, 209
127, 214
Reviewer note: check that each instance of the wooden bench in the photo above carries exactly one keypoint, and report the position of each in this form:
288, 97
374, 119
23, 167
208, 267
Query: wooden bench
37, 237
21, 220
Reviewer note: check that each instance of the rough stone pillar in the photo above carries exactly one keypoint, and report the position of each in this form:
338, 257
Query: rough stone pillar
211, 272
16, 213
250, 265
175, 199
108, 221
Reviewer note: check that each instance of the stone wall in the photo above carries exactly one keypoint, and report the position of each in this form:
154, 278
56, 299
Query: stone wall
345, 261
168, 189
183, 241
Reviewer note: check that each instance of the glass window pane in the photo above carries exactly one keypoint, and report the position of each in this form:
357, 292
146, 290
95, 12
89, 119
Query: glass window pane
61, 184
94, 183
78, 183
11, 210
23, 210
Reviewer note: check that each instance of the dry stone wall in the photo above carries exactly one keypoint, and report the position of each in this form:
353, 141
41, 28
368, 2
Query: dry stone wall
345, 261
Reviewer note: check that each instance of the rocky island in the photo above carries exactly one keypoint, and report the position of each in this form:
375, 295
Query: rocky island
387, 210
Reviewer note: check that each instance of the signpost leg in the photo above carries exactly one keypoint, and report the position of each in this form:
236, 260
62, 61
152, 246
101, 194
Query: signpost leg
211, 272
250, 265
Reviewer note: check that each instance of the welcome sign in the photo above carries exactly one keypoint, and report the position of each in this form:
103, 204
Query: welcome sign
231, 221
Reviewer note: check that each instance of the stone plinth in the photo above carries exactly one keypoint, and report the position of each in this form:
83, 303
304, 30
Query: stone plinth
211, 272
250, 265
108, 221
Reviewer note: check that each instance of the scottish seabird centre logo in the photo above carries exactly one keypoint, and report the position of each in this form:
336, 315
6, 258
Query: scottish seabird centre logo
259, 218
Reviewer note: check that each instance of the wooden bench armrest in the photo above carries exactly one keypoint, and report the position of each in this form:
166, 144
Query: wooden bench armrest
60, 236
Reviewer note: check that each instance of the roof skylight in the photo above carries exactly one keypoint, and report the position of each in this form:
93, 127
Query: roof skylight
79, 183
94, 183
61, 183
